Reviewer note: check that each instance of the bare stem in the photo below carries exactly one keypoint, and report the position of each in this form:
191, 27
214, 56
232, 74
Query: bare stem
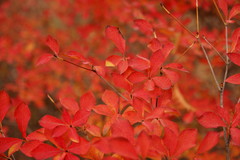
214, 49
175, 18
210, 65
197, 18
188, 48
220, 14
226, 134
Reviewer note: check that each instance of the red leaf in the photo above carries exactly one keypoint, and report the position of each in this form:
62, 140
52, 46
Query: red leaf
110, 98
4, 104
78, 56
186, 140
235, 135
211, 120
154, 45
176, 66
123, 147
235, 40
234, 11
73, 135
209, 141
156, 60
79, 148
80, 118
122, 66
170, 140
27, 147
113, 60
6, 143
122, 128
37, 135
121, 81
139, 63
44, 59
22, 115
94, 130
173, 76
114, 34
87, 101
50, 122
143, 144
144, 26
52, 44
44, 151
235, 58
163, 82
149, 85
69, 104
234, 79
136, 77
224, 7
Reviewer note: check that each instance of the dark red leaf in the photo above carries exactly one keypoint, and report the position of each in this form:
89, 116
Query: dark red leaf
209, 141
234, 79
52, 44
211, 120
22, 115
114, 34
123, 147
4, 104
224, 7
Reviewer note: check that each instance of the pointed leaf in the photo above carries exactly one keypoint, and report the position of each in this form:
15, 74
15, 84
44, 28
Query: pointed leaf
139, 63
44, 151
44, 59
114, 34
234, 79
156, 60
4, 104
186, 140
143, 144
211, 120
87, 101
50, 122
209, 141
123, 147
70, 104
144, 26
80, 118
163, 82
104, 110
7, 142
52, 44
22, 115
110, 98
154, 45
235, 58
28, 146
79, 148
234, 11
224, 7
235, 135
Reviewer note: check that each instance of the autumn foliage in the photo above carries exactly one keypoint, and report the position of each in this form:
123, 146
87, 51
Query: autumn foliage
118, 80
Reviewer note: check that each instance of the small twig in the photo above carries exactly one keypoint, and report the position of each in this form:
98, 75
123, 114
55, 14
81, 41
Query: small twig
197, 18
51, 99
183, 54
214, 48
220, 14
180, 23
210, 65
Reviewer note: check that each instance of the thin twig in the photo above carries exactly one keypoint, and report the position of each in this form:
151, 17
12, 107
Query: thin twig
210, 65
220, 14
180, 23
214, 48
183, 54
197, 18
